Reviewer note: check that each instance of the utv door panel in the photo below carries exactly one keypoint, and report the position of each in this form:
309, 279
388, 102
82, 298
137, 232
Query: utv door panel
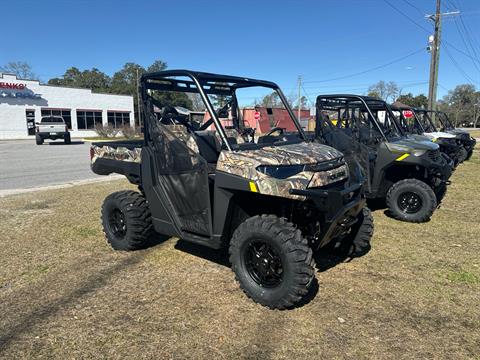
182, 177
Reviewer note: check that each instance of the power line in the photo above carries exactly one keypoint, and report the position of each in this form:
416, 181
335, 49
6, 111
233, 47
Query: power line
407, 17
415, 7
459, 68
368, 70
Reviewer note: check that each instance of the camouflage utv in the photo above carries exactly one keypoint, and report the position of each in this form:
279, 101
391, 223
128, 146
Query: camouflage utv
270, 198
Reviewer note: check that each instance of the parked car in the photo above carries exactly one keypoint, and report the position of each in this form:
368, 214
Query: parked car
53, 128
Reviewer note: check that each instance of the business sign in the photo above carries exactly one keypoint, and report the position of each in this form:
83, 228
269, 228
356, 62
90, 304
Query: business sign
17, 90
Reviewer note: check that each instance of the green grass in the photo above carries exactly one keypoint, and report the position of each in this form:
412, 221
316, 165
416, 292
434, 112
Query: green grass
64, 293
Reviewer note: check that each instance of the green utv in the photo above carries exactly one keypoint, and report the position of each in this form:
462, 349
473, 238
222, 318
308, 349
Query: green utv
409, 175
271, 199
412, 124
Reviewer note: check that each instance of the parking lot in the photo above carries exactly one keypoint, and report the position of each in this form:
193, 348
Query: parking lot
27, 165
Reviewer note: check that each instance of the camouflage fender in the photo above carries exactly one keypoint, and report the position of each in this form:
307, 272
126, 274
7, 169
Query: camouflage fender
244, 164
116, 153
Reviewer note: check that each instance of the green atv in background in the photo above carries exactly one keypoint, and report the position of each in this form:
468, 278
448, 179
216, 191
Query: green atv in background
271, 199
409, 175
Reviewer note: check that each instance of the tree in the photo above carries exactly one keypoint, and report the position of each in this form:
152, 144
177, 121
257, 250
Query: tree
383, 90
19, 68
271, 100
459, 104
90, 79
419, 101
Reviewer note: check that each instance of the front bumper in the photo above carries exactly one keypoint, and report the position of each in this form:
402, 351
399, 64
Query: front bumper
338, 207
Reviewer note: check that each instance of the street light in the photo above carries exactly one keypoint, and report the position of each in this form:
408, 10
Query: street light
475, 114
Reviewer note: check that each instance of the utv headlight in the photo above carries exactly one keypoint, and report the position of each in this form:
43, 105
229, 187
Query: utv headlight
399, 148
418, 152
280, 171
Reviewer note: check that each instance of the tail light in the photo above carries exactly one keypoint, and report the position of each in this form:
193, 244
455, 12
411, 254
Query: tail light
91, 153
66, 128
38, 129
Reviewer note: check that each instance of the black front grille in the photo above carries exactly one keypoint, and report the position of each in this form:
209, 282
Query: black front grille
434, 155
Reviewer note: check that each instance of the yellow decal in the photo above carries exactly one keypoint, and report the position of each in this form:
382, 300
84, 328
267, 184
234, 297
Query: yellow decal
434, 139
404, 156
253, 187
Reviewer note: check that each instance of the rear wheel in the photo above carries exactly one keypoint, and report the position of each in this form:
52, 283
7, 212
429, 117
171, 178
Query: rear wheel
38, 139
272, 261
126, 219
411, 200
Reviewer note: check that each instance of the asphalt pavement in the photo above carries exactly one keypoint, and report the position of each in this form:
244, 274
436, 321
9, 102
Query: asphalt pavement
25, 165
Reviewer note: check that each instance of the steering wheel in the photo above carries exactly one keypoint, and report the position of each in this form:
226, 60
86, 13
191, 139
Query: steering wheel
275, 129
169, 113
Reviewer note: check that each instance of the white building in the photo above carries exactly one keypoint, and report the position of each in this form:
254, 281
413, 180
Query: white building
24, 102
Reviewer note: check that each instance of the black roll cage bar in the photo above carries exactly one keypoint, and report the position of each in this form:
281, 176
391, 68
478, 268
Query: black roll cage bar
367, 102
206, 84
426, 112
416, 119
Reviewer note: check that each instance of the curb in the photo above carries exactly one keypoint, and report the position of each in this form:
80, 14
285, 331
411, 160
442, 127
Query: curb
9, 192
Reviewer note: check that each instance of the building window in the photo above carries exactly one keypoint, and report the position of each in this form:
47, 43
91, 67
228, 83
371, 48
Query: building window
118, 119
65, 114
88, 119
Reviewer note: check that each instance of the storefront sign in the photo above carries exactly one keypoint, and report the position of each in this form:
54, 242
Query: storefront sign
16, 90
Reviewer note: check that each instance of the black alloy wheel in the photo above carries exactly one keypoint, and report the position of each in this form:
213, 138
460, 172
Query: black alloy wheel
263, 264
409, 202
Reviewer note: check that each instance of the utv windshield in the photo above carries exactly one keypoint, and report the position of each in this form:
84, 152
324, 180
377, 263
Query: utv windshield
238, 112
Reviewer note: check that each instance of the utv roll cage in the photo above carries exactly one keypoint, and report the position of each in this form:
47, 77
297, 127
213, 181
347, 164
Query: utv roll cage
207, 84
427, 123
368, 104
418, 128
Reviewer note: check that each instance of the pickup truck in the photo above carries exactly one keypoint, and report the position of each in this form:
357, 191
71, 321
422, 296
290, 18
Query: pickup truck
52, 127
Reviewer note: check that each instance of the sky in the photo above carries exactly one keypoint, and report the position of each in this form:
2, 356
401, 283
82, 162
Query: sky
335, 45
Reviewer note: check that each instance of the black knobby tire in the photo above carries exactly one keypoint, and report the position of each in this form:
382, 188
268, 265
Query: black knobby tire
469, 155
67, 139
357, 242
288, 248
462, 154
38, 140
421, 195
131, 209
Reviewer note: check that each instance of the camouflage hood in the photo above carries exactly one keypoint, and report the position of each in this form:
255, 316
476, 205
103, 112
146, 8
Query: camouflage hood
294, 154
246, 164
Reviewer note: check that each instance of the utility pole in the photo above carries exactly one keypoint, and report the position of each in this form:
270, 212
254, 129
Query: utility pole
138, 102
299, 97
434, 44
435, 56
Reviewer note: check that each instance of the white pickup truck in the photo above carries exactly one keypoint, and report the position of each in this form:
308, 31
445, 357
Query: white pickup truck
52, 127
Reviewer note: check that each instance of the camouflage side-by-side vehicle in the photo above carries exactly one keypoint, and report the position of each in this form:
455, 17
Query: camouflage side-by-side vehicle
408, 174
270, 198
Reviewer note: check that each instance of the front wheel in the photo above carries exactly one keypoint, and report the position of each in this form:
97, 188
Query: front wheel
67, 139
38, 139
272, 261
411, 200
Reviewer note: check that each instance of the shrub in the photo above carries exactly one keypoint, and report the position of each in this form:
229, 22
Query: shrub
129, 132
106, 131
